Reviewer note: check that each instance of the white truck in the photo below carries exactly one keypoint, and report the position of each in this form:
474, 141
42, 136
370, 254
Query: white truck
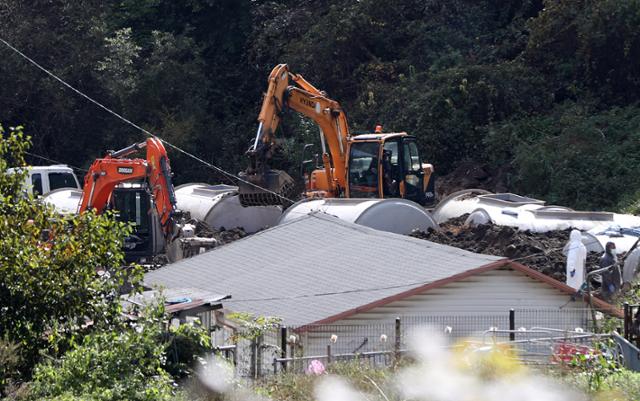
44, 179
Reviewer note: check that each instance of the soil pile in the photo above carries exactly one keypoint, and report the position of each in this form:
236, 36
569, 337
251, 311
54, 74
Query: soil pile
222, 236
473, 175
539, 251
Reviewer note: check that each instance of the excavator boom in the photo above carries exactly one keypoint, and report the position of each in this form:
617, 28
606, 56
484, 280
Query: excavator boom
263, 185
375, 165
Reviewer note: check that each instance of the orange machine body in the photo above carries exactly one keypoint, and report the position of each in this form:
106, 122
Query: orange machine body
113, 169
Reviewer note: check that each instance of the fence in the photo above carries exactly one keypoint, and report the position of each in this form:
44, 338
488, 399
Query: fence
536, 334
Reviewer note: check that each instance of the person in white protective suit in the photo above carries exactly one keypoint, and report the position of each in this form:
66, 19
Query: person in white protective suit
576, 259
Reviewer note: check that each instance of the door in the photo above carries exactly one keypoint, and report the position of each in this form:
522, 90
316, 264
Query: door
363, 170
133, 206
391, 169
412, 173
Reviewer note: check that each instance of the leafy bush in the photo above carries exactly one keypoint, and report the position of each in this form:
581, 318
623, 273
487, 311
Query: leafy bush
185, 344
117, 365
576, 156
360, 375
9, 362
592, 45
51, 293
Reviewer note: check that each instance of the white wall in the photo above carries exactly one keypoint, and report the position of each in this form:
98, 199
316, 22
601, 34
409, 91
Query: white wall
468, 306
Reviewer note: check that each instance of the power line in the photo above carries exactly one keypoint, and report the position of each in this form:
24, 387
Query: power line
117, 115
210, 165
55, 161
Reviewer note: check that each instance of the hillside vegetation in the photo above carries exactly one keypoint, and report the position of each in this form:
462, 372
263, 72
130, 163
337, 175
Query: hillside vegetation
545, 92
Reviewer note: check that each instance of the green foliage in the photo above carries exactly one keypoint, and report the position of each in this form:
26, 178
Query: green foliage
454, 110
60, 275
623, 382
251, 326
505, 82
574, 156
375, 383
110, 365
590, 44
186, 344
597, 365
9, 362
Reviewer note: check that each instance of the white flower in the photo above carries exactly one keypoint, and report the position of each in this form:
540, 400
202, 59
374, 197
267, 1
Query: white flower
334, 338
383, 338
293, 339
579, 330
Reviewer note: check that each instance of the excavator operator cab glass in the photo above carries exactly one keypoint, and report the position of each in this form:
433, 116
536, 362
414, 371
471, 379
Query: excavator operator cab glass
133, 205
412, 172
364, 170
391, 176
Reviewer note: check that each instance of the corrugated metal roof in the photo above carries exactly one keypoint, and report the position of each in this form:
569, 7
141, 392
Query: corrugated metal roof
176, 299
315, 267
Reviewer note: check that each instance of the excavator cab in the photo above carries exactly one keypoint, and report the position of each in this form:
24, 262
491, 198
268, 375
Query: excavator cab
387, 166
132, 203
374, 165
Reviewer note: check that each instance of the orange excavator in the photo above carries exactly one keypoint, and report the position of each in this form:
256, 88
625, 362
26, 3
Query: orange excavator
113, 169
372, 165
141, 192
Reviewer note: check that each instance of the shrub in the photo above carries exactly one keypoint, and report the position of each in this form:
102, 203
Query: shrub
51, 293
117, 365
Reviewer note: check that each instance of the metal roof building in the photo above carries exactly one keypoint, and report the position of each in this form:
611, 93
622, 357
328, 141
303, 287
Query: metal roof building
318, 270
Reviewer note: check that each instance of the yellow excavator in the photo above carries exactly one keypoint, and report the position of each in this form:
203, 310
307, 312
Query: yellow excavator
371, 165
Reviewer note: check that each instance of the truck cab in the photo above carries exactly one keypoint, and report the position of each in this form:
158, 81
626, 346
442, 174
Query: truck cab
41, 180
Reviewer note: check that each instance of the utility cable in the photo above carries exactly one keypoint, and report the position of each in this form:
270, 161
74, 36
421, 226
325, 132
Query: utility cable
210, 165
131, 123
55, 161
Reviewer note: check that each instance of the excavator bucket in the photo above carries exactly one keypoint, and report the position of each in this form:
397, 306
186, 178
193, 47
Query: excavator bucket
275, 187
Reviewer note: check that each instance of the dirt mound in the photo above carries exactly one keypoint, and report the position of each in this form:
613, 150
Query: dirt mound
472, 175
223, 236
539, 251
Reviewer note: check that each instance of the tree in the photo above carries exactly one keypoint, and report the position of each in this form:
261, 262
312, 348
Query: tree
60, 275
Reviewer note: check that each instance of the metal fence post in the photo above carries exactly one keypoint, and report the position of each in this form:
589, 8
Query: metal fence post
398, 342
253, 371
283, 346
627, 321
259, 349
292, 352
512, 324
328, 354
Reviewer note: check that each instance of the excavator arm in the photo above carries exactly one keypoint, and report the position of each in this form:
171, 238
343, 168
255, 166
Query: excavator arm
106, 173
288, 90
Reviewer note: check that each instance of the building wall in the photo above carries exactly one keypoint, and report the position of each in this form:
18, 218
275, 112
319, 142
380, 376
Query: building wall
458, 310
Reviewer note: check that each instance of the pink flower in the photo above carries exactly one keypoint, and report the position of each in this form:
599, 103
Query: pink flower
315, 368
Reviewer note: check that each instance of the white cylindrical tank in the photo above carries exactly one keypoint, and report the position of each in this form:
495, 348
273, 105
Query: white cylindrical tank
456, 204
64, 200
523, 213
398, 216
219, 207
